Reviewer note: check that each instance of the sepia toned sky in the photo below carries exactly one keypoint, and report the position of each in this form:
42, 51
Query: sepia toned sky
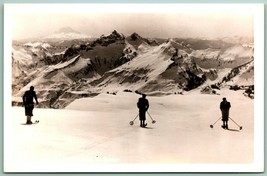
165, 21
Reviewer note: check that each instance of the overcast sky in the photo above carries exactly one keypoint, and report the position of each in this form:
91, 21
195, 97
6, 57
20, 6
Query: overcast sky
166, 22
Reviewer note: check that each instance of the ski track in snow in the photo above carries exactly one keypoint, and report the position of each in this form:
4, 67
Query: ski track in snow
97, 131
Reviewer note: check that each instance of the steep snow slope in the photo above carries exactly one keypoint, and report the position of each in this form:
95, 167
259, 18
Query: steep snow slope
244, 76
96, 131
51, 82
150, 62
21, 59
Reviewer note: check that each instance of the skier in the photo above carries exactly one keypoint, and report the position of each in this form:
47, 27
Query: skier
143, 106
28, 103
225, 106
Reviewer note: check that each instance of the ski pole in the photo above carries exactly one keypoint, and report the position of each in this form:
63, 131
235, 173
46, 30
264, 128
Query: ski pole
240, 127
215, 122
153, 121
132, 122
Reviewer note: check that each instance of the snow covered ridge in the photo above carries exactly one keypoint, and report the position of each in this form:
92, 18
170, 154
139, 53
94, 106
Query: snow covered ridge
63, 72
38, 44
230, 54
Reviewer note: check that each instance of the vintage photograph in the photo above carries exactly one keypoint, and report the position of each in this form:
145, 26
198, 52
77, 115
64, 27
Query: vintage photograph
133, 87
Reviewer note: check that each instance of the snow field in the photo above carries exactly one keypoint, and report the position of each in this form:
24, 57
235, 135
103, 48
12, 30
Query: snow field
96, 131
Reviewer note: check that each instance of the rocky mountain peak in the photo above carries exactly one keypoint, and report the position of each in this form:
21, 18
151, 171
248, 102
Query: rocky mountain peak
135, 36
105, 40
113, 36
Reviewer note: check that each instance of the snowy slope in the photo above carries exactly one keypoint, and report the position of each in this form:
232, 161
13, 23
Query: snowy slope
38, 44
237, 51
150, 62
48, 75
206, 53
21, 58
92, 131
245, 75
53, 81
230, 54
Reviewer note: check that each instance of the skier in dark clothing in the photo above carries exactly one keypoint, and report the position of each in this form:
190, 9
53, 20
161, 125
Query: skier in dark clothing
225, 106
143, 106
28, 97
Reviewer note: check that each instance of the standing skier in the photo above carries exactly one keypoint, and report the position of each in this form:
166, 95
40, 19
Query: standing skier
143, 106
28, 97
225, 106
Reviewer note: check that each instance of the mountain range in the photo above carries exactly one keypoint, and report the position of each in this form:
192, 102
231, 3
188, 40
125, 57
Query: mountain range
72, 67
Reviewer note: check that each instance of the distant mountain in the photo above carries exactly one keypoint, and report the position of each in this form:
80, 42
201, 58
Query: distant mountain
238, 40
113, 62
67, 30
66, 33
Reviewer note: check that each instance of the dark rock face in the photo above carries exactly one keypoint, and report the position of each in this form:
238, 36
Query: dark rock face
106, 40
